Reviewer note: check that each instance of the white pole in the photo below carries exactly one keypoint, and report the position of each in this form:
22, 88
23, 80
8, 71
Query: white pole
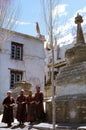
52, 80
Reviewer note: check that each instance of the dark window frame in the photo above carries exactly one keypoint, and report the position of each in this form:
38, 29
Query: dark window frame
15, 76
16, 51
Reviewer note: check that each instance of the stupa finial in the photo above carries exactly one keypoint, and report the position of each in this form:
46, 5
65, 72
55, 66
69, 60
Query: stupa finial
80, 37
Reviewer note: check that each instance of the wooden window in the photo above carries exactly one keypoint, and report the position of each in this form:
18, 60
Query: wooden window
58, 52
16, 51
15, 76
45, 80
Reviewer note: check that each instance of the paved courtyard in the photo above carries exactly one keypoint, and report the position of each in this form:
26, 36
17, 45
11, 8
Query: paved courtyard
15, 125
26, 126
40, 126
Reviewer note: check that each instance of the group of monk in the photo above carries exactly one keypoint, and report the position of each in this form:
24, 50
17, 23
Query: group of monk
29, 107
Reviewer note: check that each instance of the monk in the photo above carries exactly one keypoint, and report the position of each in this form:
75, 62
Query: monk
21, 108
30, 108
8, 104
39, 108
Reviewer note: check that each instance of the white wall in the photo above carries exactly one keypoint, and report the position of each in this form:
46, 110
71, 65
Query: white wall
32, 64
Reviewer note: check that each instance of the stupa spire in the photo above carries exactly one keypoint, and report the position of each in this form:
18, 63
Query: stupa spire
80, 37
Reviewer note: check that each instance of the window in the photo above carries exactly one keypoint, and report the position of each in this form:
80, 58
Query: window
16, 51
45, 80
15, 76
58, 52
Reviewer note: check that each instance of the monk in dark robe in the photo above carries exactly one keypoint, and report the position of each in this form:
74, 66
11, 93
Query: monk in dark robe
21, 108
39, 108
8, 104
30, 108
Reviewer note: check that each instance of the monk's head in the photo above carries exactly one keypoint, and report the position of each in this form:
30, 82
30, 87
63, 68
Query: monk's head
37, 89
22, 92
30, 93
9, 93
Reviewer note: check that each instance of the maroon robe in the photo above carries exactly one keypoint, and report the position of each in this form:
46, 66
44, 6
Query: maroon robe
39, 106
8, 110
30, 109
21, 108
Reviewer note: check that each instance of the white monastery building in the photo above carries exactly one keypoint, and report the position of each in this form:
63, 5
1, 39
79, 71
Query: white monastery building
21, 58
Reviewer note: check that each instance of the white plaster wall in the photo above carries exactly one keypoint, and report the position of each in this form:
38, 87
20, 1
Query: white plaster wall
4, 76
32, 64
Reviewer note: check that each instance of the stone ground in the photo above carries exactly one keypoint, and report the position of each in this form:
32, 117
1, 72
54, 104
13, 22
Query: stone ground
15, 126
40, 126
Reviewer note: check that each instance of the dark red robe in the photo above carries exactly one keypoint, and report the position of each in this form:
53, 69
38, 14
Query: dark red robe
39, 106
21, 108
30, 109
8, 111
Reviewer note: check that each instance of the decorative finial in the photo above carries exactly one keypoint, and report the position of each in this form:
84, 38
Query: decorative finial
78, 19
37, 28
80, 36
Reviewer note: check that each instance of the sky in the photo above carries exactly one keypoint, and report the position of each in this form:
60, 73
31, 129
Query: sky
31, 12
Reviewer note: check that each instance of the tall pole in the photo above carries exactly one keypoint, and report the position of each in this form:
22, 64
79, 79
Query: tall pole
52, 79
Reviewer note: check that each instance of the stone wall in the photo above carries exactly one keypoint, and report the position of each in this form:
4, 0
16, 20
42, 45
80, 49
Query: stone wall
70, 109
75, 73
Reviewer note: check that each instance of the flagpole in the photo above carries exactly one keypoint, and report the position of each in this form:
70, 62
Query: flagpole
52, 78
